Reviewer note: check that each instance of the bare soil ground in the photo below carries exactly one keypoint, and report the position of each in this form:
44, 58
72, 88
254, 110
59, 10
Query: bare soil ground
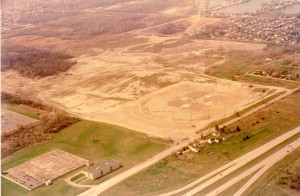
164, 114
115, 70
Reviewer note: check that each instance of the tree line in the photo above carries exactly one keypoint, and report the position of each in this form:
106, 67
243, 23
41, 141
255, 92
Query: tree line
53, 121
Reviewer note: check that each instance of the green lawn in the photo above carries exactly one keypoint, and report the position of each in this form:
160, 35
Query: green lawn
269, 81
7, 102
241, 62
25, 110
58, 188
90, 140
77, 177
238, 63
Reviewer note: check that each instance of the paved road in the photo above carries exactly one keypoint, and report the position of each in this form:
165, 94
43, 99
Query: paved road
11, 120
96, 190
225, 170
261, 167
115, 180
68, 181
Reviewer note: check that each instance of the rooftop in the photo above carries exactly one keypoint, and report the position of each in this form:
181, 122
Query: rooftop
102, 164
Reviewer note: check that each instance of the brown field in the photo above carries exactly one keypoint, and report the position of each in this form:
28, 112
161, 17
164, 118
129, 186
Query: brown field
118, 65
178, 111
198, 101
35, 172
113, 71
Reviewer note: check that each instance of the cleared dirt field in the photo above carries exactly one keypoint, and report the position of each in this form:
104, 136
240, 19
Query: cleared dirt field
189, 101
114, 73
11, 120
122, 72
49, 166
178, 111
115, 70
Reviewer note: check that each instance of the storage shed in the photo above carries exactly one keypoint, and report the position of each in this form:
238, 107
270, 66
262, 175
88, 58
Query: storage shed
100, 169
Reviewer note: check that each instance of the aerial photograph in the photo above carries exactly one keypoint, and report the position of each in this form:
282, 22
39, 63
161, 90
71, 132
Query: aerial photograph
150, 98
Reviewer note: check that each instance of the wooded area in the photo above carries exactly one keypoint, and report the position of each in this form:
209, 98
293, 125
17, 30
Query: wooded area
32, 62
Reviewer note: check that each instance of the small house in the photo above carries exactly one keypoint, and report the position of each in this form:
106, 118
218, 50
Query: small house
100, 169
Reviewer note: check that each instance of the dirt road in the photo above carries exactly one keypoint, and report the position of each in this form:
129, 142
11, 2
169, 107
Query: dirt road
11, 120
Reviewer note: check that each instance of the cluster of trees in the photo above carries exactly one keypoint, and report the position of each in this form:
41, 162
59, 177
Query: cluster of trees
32, 62
36, 133
52, 122
172, 28
224, 129
13, 98
98, 23
293, 180
67, 20
277, 51
35, 12
144, 6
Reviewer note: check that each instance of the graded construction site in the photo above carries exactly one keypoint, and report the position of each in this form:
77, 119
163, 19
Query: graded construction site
179, 110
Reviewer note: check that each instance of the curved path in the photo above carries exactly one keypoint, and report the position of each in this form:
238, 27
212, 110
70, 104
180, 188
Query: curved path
68, 181
261, 167
269, 163
232, 166
225, 170
96, 190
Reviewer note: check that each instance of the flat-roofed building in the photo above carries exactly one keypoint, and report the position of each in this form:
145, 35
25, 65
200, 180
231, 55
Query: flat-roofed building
100, 169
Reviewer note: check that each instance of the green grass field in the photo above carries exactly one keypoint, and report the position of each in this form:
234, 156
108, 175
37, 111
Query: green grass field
238, 63
25, 110
241, 62
267, 184
269, 81
7, 102
90, 140
263, 125
77, 177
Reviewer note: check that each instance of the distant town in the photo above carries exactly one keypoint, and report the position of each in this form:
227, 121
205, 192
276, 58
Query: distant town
281, 30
